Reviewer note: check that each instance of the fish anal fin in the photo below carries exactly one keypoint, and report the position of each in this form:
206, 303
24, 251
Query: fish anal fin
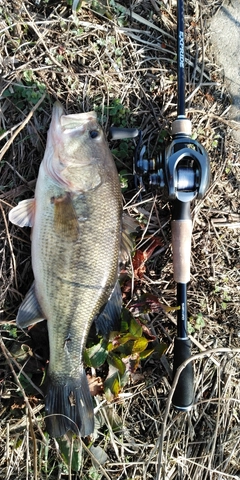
23, 214
109, 319
65, 218
29, 312
68, 406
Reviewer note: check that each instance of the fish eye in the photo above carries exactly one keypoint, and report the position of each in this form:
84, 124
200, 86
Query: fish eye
93, 133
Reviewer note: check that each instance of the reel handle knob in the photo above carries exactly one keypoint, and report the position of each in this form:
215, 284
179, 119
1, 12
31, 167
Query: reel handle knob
120, 133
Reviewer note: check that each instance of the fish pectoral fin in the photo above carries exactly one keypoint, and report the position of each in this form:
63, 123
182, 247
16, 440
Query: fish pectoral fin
129, 226
23, 214
109, 319
30, 311
69, 406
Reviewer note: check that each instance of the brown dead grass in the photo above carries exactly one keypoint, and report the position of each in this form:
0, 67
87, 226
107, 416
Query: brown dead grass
91, 60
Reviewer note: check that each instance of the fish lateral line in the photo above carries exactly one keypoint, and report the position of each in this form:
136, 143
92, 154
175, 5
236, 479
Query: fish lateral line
85, 285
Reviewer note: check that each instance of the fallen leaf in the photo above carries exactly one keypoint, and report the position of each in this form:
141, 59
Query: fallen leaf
99, 454
137, 377
150, 303
95, 385
141, 256
132, 362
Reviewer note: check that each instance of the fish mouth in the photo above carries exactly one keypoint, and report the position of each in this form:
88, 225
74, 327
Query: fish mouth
76, 122
72, 122
78, 118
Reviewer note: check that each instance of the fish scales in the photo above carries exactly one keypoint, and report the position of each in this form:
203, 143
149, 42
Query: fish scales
76, 220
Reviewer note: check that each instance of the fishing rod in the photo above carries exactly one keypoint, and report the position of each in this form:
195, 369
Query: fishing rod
184, 169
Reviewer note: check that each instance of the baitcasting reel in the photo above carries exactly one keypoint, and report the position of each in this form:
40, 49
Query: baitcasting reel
183, 167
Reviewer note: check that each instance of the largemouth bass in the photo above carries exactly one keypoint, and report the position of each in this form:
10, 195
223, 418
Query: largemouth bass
76, 220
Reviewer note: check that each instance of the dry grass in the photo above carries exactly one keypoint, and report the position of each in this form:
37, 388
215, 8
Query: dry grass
88, 61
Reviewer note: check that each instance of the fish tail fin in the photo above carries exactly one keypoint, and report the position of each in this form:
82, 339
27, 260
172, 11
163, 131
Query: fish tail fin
68, 406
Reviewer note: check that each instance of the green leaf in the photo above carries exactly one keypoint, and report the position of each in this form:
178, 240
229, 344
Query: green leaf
10, 329
125, 320
191, 329
113, 342
160, 348
112, 385
123, 177
70, 446
93, 474
116, 362
28, 75
125, 338
146, 353
200, 323
95, 356
27, 386
135, 328
140, 345
124, 326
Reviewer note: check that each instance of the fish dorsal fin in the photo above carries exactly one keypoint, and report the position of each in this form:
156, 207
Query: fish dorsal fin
129, 226
23, 214
30, 311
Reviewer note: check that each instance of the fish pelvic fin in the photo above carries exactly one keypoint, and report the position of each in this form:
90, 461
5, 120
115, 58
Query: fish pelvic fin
30, 311
109, 319
68, 406
129, 227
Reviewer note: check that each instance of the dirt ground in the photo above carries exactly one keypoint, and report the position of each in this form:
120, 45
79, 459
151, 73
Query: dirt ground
119, 59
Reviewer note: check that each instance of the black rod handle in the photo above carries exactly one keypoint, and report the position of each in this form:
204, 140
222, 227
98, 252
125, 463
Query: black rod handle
183, 394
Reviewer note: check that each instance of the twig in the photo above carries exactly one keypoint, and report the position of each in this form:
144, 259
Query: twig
25, 121
10, 246
145, 22
35, 458
95, 460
